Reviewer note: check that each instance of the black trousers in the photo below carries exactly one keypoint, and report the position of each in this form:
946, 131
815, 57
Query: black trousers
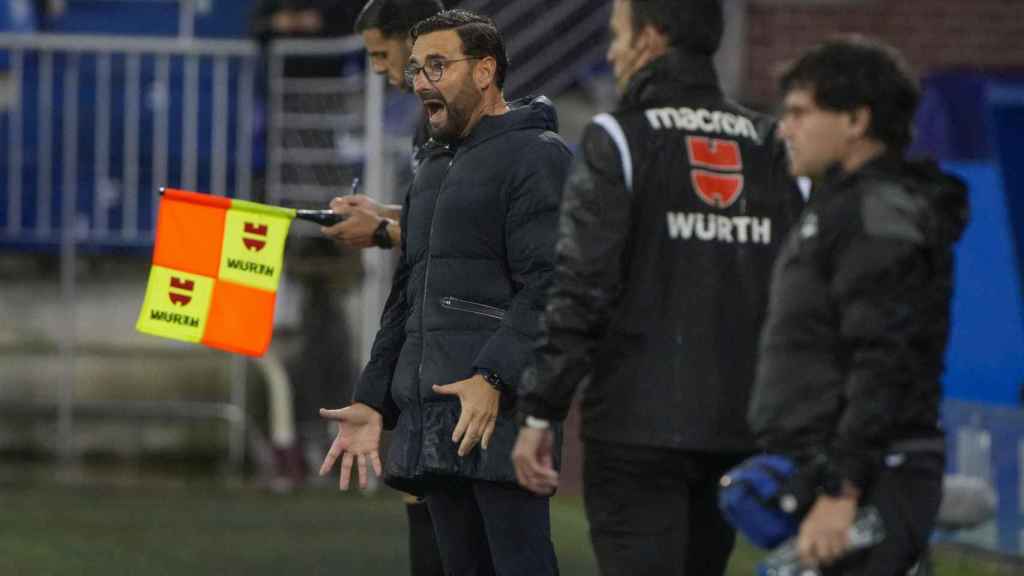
655, 511
907, 494
424, 557
491, 529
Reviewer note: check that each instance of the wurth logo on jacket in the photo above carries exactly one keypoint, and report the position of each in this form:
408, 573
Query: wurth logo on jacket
716, 228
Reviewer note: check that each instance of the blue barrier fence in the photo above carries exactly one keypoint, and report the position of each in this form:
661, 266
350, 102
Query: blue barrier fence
104, 122
101, 183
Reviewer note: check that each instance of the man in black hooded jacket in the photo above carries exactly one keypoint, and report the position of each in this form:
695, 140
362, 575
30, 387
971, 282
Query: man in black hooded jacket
478, 234
852, 351
669, 224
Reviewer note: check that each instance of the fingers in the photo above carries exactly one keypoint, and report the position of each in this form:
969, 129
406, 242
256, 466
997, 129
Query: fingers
335, 415
488, 432
345, 203
539, 480
337, 448
356, 231
469, 441
532, 459
541, 477
330, 459
364, 476
805, 548
375, 460
472, 428
832, 548
447, 389
346, 471
460, 426
820, 549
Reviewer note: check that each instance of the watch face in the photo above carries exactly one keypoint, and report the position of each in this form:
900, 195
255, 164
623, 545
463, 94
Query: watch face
380, 236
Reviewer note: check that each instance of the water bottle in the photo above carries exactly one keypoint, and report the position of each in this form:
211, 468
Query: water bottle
866, 531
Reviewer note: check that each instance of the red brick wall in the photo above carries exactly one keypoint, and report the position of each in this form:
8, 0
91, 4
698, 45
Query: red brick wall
932, 34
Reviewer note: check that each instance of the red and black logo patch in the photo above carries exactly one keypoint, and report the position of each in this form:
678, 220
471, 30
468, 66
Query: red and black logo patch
255, 236
180, 291
717, 176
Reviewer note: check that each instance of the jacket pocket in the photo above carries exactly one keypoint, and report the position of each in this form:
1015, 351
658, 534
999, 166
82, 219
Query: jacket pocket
452, 303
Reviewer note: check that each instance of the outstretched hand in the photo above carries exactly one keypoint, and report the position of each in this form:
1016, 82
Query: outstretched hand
359, 430
479, 401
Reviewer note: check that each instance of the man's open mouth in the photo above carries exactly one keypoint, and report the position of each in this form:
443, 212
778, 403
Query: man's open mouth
433, 107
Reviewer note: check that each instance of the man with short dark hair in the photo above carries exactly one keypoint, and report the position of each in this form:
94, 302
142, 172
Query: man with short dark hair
852, 350
384, 26
669, 224
477, 254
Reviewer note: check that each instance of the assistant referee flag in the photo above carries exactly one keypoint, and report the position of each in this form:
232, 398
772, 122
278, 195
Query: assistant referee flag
216, 267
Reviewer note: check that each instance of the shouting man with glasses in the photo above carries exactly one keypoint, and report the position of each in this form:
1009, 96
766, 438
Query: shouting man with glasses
476, 257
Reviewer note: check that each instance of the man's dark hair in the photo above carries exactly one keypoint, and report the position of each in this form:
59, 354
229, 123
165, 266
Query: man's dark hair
395, 17
479, 34
850, 72
692, 25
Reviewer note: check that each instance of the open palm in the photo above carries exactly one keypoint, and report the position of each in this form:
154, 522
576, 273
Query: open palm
359, 429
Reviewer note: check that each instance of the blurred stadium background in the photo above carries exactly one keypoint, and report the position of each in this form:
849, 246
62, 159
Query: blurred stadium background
122, 453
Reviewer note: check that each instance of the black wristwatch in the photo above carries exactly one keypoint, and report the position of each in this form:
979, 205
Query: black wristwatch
381, 238
492, 378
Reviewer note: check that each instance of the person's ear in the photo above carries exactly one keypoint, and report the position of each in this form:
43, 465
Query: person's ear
484, 72
860, 122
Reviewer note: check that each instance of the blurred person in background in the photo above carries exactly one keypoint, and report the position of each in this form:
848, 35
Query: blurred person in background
302, 18
478, 233
297, 19
670, 221
852, 350
384, 26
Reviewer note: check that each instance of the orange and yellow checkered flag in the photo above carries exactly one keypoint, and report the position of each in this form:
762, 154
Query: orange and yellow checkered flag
216, 267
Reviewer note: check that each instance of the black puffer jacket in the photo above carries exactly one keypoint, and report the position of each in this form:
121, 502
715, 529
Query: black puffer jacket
477, 255
670, 222
852, 351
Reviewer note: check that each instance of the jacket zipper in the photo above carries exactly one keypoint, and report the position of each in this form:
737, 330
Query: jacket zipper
453, 303
426, 273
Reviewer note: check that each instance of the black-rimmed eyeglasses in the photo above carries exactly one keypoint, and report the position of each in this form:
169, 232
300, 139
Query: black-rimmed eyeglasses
433, 69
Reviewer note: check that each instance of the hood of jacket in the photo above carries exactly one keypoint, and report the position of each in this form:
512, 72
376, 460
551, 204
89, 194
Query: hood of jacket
945, 197
530, 113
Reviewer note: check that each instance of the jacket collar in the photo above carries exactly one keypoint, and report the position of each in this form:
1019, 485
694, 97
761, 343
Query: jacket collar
886, 163
530, 113
664, 78
836, 178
